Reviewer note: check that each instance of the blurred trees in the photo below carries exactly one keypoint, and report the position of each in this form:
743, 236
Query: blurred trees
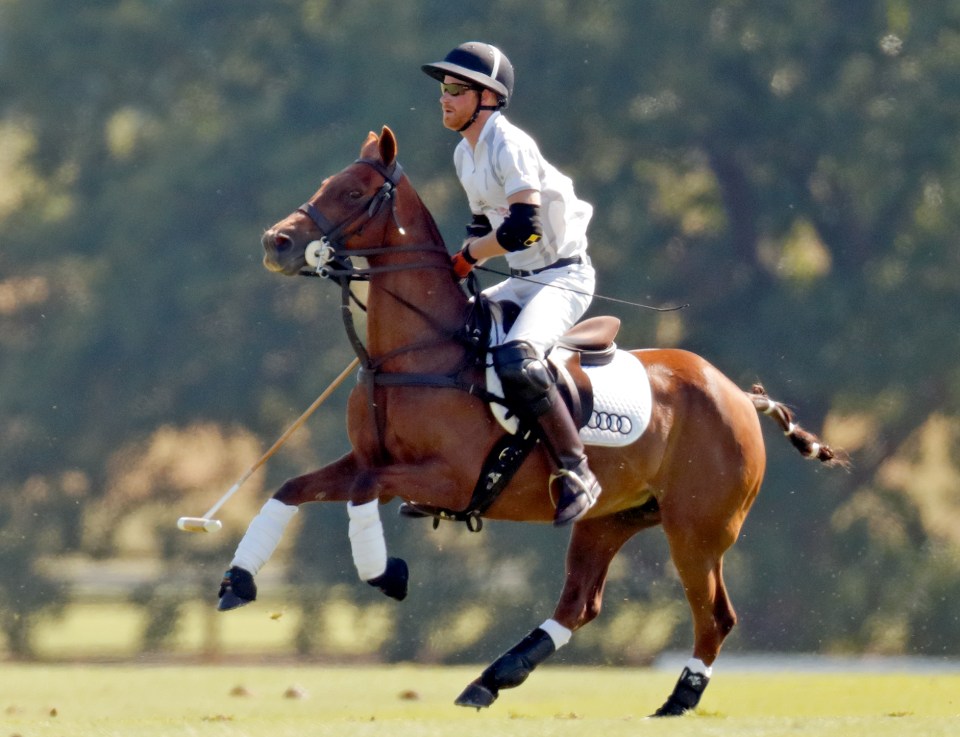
790, 170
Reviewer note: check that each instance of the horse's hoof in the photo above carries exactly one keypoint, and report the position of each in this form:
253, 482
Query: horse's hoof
670, 709
476, 695
229, 601
393, 581
237, 589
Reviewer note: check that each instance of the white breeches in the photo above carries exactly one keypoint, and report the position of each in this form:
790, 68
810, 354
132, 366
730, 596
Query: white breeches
551, 302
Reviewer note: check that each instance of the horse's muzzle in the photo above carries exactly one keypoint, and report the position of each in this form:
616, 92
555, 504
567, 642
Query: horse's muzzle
279, 253
271, 265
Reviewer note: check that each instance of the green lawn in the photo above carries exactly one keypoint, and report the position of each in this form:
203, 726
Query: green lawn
408, 701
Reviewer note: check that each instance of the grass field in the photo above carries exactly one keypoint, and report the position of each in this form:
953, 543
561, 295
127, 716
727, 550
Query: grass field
415, 701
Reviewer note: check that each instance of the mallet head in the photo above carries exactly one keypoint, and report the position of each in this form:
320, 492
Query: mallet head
198, 524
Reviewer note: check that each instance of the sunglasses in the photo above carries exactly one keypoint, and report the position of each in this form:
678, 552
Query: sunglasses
455, 89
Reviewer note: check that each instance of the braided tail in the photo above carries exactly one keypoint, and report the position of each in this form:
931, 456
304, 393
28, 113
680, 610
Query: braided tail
809, 445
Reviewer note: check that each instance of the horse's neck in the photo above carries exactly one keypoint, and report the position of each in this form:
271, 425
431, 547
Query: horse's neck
413, 313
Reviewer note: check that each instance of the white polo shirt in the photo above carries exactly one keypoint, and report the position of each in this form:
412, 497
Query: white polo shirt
506, 161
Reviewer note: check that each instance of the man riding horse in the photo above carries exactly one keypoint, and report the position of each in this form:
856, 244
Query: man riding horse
526, 210
694, 470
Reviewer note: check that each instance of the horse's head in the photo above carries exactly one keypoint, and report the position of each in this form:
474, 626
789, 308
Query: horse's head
337, 213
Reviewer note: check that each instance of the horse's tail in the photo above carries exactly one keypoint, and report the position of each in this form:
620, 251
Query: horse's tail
809, 445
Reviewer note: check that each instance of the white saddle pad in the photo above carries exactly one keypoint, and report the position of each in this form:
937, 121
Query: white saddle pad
622, 400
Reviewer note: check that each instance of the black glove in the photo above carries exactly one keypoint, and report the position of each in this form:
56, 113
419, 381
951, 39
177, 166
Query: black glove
478, 227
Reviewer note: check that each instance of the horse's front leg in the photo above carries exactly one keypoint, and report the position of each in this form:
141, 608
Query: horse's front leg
433, 480
363, 488
333, 482
593, 544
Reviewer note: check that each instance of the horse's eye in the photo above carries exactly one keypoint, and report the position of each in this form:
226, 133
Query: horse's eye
354, 194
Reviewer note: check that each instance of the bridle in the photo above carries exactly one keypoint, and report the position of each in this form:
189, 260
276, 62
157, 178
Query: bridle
333, 262
335, 233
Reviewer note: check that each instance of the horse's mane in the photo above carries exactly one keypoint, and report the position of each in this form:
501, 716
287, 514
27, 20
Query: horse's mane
431, 223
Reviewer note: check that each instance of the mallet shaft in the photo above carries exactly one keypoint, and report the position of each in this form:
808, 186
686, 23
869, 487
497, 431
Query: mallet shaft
205, 523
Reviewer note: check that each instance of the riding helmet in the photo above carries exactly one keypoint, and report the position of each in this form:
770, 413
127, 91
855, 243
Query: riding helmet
480, 63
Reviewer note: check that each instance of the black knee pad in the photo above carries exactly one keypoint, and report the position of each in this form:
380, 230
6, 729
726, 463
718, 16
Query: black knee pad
525, 376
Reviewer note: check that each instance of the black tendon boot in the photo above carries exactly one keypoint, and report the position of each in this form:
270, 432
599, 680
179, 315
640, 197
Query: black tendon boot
527, 380
686, 694
509, 670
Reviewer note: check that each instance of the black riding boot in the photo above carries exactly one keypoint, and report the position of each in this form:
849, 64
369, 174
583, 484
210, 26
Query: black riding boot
527, 380
578, 487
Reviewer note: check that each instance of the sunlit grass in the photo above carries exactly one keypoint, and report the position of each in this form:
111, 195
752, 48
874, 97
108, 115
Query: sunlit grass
149, 700
403, 701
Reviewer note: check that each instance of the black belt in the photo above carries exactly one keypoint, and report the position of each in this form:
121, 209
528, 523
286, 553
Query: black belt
560, 262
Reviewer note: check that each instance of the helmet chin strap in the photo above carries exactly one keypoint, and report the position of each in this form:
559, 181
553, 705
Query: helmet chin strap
473, 118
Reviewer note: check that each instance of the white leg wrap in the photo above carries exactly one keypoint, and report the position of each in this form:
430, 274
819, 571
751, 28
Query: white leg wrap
263, 535
366, 540
695, 665
558, 633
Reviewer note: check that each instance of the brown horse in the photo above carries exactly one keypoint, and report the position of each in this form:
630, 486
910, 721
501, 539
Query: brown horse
696, 470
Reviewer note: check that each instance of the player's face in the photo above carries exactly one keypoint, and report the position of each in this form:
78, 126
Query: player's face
458, 100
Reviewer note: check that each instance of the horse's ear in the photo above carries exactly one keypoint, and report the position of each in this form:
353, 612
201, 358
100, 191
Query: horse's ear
369, 146
388, 146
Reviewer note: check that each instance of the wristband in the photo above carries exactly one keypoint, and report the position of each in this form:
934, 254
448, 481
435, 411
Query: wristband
460, 266
467, 256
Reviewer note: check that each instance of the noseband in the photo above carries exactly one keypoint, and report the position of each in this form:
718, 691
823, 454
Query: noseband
333, 236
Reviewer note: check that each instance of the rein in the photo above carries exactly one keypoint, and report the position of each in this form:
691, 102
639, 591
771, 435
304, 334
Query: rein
334, 263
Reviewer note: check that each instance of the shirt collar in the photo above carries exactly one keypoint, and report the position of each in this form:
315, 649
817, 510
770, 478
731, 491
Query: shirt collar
488, 127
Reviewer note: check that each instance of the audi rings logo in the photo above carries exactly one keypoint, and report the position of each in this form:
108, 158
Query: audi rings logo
607, 422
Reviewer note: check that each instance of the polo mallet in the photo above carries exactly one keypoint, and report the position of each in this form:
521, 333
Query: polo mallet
206, 523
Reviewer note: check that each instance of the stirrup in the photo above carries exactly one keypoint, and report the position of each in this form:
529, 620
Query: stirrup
413, 511
577, 496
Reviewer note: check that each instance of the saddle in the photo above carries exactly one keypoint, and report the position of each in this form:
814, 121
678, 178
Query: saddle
592, 343
593, 339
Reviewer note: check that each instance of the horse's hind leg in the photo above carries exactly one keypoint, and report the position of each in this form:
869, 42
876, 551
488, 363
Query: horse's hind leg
701, 572
593, 544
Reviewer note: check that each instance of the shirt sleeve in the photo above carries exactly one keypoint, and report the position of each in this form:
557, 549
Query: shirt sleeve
518, 167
